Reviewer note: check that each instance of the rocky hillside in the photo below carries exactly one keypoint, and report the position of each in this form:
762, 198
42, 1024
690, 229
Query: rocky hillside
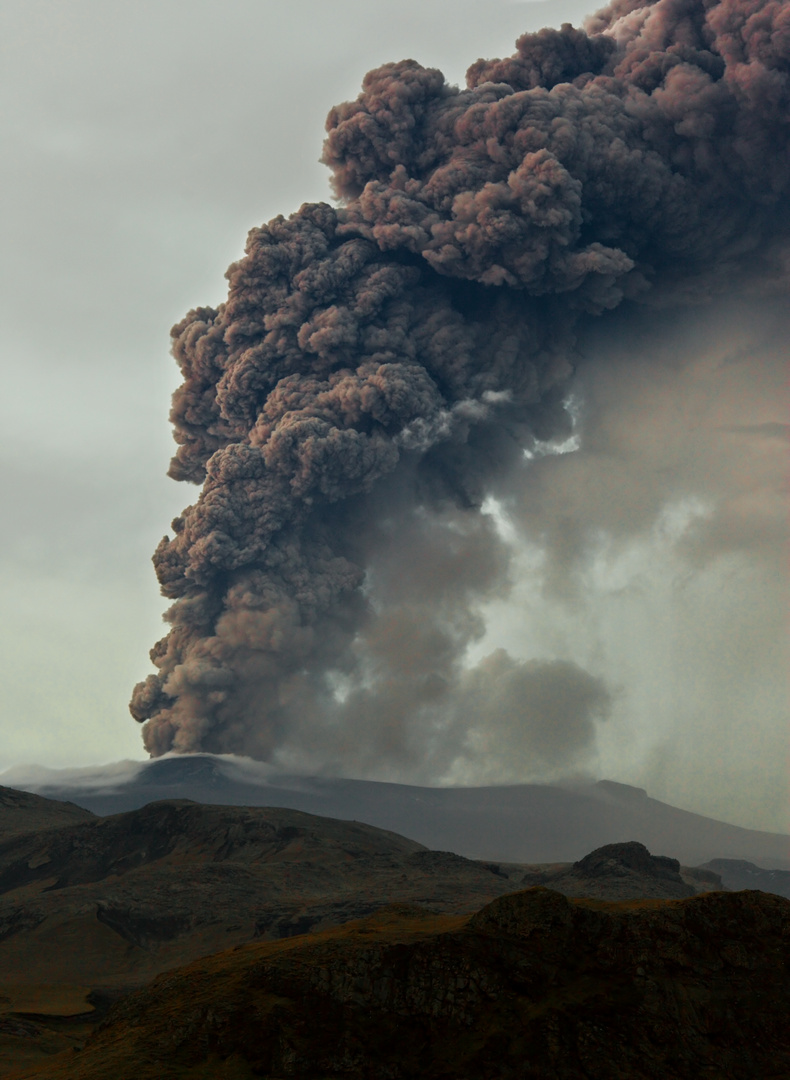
91, 910
21, 812
532, 986
741, 874
113, 901
623, 872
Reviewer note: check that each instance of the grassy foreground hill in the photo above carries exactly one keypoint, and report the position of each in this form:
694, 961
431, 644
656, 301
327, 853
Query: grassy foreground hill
532, 986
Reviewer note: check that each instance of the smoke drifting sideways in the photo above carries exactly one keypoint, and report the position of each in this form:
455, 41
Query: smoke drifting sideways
383, 373
655, 555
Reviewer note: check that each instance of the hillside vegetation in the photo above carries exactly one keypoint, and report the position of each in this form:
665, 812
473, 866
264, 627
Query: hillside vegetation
533, 985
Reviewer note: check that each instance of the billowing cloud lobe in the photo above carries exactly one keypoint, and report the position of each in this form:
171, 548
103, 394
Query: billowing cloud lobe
379, 370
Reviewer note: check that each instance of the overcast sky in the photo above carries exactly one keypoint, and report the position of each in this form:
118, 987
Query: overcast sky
140, 143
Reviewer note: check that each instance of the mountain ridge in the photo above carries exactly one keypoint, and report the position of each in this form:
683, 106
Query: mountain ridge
91, 911
528, 823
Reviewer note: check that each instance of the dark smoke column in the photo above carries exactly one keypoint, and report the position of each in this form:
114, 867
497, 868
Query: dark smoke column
378, 369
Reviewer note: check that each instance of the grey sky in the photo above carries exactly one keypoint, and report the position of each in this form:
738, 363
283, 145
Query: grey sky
140, 143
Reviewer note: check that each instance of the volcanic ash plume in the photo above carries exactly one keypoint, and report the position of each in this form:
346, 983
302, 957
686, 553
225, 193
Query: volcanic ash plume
370, 387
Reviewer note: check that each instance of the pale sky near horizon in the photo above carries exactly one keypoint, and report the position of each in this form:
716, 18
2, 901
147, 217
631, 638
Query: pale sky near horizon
140, 143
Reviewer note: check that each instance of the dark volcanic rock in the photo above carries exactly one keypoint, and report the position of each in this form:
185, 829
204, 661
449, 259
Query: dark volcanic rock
625, 871
127, 896
619, 859
740, 874
702, 879
533, 986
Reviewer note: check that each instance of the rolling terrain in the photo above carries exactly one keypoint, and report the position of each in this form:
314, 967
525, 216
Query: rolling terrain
21, 812
523, 823
94, 908
111, 902
532, 985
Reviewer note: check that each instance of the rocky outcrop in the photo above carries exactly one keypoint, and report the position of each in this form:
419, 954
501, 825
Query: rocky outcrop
533, 986
625, 871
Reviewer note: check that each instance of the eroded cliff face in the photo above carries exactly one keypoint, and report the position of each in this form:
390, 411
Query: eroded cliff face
533, 985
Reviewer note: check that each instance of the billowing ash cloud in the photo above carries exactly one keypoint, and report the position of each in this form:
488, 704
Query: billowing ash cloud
379, 370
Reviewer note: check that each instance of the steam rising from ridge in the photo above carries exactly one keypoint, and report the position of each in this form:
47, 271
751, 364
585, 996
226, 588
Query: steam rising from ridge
382, 374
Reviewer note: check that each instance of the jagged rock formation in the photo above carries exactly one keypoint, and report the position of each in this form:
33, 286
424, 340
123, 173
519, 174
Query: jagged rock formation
532, 986
624, 872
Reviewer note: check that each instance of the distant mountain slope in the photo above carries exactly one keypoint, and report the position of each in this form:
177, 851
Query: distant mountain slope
525, 823
21, 812
532, 986
739, 874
